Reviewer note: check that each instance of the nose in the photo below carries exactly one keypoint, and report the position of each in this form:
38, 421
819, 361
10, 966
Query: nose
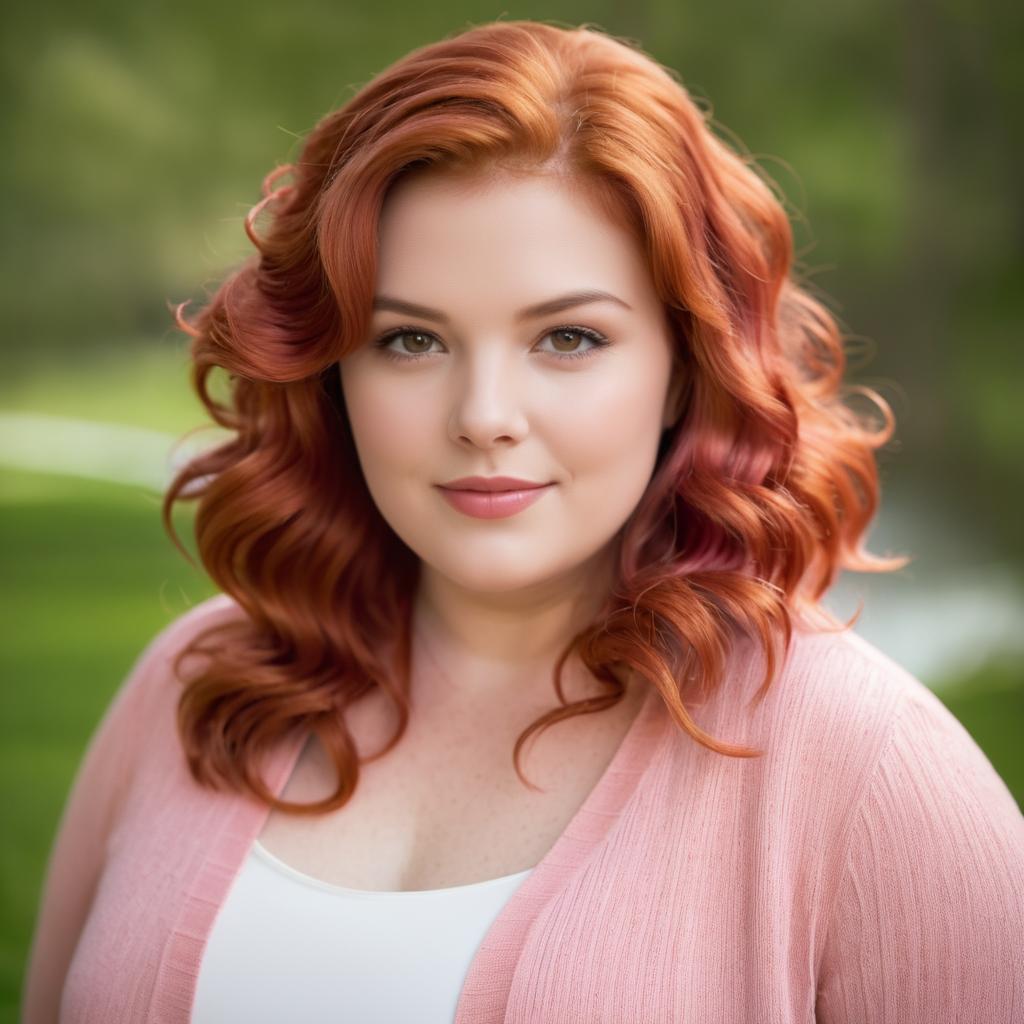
487, 401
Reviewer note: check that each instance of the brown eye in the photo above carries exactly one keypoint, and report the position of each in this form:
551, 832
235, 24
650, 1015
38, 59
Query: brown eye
419, 347
561, 335
422, 342
567, 348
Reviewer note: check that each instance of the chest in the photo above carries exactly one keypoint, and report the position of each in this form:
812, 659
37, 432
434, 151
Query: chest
444, 807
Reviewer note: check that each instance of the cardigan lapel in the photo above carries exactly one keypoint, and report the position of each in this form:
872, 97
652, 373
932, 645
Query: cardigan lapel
218, 863
489, 980
490, 975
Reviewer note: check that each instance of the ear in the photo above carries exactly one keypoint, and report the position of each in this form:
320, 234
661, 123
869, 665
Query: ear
674, 399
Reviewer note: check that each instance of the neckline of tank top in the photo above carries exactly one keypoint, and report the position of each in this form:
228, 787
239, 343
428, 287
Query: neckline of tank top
275, 862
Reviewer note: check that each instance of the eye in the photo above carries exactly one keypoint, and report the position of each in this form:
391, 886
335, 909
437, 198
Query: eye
425, 339
598, 341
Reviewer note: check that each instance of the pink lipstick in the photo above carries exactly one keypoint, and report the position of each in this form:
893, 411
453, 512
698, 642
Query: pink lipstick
492, 504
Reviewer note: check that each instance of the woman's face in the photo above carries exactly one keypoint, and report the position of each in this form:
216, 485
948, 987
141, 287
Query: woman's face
477, 385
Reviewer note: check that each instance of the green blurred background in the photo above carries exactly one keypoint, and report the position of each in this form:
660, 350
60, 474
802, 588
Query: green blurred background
136, 136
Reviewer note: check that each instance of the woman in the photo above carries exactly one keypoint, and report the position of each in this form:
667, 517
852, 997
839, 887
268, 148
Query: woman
522, 252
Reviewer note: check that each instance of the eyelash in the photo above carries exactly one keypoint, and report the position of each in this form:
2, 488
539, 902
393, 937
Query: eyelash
599, 340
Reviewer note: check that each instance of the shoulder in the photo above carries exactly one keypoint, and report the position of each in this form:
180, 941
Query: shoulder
856, 689
845, 668
928, 908
135, 728
844, 727
916, 741
150, 685
155, 660
929, 775
831, 705
137, 733
188, 624
932, 840
920, 842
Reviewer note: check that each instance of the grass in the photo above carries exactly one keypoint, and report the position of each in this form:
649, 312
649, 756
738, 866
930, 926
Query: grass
141, 386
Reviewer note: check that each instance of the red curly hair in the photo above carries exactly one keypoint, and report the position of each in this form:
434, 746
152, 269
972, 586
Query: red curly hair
761, 493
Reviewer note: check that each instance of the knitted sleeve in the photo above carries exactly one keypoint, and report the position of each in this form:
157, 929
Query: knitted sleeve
79, 848
929, 920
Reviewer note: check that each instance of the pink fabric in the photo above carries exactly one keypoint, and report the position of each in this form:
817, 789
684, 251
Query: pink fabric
869, 867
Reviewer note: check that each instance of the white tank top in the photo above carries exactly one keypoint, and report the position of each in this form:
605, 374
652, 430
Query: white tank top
287, 946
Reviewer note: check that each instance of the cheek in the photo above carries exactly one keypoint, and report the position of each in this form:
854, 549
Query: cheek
608, 450
388, 436
387, 422
607, 431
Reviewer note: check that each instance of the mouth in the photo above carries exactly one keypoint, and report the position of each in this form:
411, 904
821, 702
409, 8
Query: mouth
493, 504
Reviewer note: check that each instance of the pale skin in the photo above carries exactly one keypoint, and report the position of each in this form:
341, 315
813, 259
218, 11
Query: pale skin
495, 393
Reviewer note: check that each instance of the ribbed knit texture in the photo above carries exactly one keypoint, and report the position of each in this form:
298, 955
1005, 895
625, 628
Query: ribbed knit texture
868, 869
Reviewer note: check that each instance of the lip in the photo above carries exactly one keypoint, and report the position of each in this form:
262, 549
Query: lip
490, 483
493, 504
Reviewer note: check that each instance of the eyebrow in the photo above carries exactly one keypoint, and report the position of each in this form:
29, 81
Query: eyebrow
569, 301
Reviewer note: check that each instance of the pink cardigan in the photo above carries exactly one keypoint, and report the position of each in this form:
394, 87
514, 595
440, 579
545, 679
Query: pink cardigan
868, 869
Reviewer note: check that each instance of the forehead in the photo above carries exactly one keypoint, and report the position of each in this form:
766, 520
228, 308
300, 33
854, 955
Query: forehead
523, 231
